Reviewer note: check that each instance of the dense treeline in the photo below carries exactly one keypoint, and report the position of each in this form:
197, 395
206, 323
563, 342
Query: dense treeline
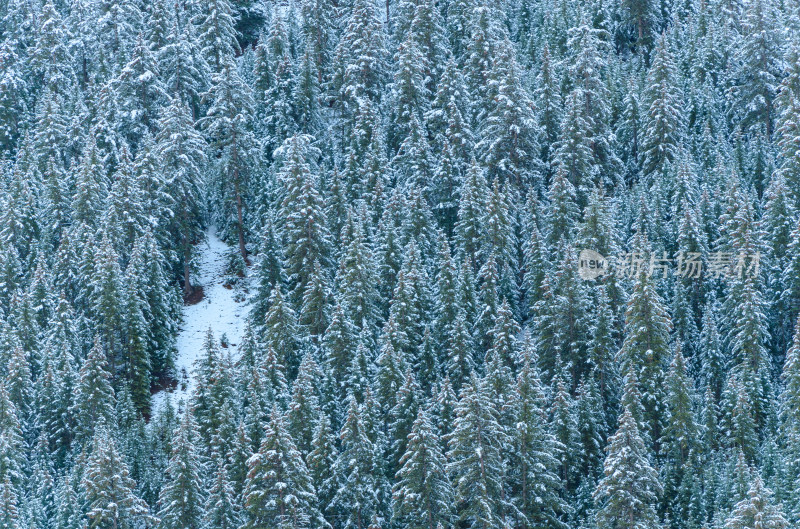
409, 184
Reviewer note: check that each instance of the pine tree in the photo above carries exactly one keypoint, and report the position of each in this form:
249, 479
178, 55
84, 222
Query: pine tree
679, 439
12, 456
279, 489
357, 498
12, 104
645, 350
401, 418
409, 92
499, 234
471, 209
181, 152
183, 66
475, 461
411, 300
138, 93
561, 318
586, 46
630, 487
535, 485
592, 425
422, 496
357, 282
359, 68
564, 427
573, 156
339, 340
308, 112
319, 26
281, 332
664, 120
94, 397
756, 510
51, 57
221, 506
228, 124
445, 293
509, 132
216, 28
547, 97
564, 210
304, 225
391, 367
758, 58
135, 350
110, 491
274, 100
9, 506
789, 431
321, 460
304, 408
181, 497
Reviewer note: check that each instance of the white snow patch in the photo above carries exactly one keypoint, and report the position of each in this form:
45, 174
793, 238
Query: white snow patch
217, 310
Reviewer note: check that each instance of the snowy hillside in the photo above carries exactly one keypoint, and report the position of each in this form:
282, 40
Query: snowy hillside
520, 264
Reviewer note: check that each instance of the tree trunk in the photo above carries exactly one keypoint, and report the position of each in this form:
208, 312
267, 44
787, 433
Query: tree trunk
187, 285
238, 193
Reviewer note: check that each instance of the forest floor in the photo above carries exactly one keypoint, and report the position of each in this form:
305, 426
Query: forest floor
222, 309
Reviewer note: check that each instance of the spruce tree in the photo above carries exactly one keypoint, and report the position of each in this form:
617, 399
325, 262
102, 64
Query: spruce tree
228, 124
756, 510
422, 496
645, 350
94, 400
278, 489
181, 498
630, 488
110, 491
475, 460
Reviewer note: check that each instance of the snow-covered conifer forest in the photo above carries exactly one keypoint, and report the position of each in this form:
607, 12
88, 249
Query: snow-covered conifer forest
399, 264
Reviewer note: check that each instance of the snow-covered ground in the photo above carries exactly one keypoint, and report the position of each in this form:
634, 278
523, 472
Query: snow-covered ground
217, 310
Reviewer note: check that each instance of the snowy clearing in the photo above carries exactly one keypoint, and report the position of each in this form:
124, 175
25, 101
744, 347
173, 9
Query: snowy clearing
218, 310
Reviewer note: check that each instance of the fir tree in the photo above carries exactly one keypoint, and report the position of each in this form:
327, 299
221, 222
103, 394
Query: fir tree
422, 496
630, 487
94, 397
181, 498
357, 498
110, 491
756, 510
475, 462
279, 489
228, 124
